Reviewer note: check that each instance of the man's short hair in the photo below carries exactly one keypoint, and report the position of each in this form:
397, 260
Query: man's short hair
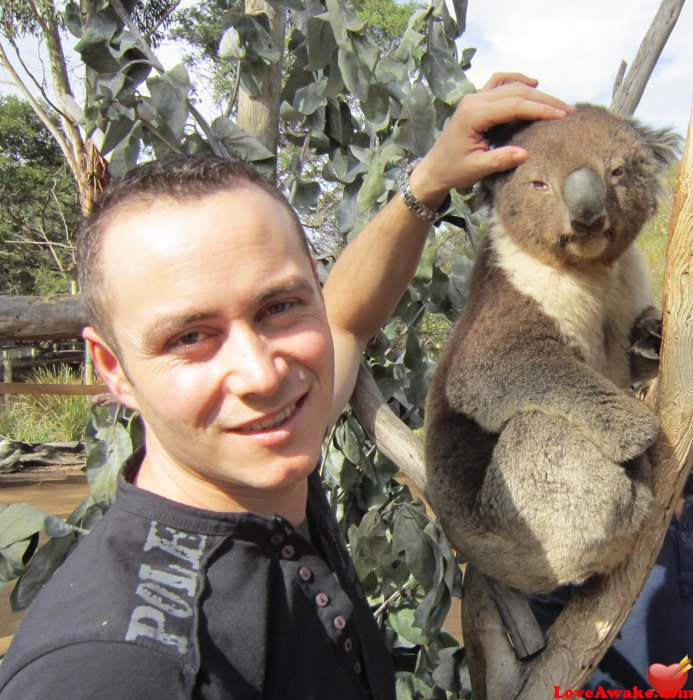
178, 178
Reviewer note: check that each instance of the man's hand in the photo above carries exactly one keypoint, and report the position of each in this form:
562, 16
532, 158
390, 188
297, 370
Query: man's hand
461, 156
373, 271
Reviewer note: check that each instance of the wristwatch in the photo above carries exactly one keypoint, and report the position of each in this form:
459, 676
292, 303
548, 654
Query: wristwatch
423, 211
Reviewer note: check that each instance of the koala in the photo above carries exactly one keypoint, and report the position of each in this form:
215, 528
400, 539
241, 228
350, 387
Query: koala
535, 451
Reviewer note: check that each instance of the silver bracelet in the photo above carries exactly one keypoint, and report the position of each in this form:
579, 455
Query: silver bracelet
421, 210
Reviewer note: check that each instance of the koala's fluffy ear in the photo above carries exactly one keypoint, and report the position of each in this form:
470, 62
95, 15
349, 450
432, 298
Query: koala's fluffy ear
665, 143
496, 136
503, 134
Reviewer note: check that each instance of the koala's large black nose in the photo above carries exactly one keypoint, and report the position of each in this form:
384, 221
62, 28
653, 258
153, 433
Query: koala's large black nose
584, 194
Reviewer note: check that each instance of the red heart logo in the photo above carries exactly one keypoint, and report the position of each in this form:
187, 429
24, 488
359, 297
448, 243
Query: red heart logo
666, 680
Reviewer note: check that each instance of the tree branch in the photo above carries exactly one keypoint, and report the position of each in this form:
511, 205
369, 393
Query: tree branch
40, 112
629, 91
164, 17
393, 438
46, 15
39, 86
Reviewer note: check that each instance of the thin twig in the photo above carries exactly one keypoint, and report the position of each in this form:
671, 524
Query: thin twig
164, 17
39, 86
402, 592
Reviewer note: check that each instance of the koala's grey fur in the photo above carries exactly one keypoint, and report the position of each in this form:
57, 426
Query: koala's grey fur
535, 451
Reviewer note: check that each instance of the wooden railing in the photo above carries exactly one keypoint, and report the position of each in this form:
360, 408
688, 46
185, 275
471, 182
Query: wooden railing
31, 389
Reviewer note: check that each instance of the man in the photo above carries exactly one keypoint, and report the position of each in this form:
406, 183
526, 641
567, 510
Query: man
219, 571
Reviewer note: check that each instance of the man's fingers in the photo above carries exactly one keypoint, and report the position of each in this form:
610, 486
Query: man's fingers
527, 92
498, 79
509, 108
483, 163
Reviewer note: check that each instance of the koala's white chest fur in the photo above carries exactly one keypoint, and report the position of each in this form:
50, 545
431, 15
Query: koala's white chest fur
594, 308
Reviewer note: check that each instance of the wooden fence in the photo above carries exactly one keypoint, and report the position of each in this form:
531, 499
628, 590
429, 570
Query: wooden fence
52, 389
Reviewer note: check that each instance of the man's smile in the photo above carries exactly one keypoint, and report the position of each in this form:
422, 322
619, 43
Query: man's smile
272, 421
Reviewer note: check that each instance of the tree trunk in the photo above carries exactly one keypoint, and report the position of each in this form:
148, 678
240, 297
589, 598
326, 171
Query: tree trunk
46, 16
630, 89
259, 116
393, 438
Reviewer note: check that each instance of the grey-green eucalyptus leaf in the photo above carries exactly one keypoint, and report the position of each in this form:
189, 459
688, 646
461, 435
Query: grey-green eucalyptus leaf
255, 37
230, 45
238, 141
73, 19
105, 462
40, 569
320, 43
310, 98
169, 95
415, 131
343, 19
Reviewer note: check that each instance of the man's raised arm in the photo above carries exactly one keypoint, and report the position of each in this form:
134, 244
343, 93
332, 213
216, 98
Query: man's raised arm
374, 270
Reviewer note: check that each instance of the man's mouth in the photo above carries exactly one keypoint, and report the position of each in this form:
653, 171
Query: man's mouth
272, 422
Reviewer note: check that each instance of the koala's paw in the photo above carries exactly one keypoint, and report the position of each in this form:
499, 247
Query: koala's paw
646, 334
646, 339
632, 427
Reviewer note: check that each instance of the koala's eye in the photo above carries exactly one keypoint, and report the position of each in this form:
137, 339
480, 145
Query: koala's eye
539, 185
618, 172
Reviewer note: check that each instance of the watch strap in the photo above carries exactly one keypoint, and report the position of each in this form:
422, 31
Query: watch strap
421, 210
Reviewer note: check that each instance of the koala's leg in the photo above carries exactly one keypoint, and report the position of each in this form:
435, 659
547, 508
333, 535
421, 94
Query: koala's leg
559, 497
559, 386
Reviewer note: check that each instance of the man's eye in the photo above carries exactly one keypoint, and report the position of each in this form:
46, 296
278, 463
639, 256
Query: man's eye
188, 339
279, 307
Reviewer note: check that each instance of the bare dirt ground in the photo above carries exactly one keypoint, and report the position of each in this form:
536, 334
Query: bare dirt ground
54, 491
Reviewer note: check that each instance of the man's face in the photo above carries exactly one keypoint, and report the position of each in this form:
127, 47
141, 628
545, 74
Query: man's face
224, 344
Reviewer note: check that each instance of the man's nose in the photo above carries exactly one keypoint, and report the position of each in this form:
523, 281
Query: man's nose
253, 365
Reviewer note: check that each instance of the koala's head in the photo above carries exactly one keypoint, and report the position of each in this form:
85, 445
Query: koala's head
590, 183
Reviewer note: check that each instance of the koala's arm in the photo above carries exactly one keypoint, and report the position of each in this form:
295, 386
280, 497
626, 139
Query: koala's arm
546, 377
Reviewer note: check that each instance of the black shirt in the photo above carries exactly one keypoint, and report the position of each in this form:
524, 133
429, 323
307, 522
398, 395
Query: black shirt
166, 601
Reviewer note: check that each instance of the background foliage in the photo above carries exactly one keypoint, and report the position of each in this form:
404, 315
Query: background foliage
365, 85
39, 209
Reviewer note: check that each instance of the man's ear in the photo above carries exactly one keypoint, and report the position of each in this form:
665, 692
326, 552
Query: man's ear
110, 368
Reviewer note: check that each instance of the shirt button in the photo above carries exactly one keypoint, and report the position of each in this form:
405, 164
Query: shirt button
357, 667
339, 622
277, 539
348, 645
305, 574
288, 551
322, 599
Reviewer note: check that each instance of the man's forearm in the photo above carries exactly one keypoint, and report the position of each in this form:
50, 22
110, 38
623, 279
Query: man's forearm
374, 270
